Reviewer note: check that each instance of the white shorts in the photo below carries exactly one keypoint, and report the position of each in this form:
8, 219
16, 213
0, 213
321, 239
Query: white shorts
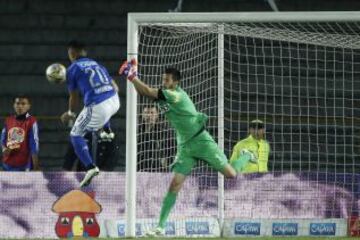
94, 117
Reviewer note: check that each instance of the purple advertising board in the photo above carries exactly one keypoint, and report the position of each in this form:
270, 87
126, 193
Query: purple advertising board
27, 199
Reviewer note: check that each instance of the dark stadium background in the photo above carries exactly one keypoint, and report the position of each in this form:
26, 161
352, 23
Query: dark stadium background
34, 33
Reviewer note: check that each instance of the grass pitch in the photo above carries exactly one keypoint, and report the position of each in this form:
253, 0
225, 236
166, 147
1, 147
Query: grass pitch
262, 238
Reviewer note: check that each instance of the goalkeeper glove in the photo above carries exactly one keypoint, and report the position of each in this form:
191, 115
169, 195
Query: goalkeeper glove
253, 157
129, 69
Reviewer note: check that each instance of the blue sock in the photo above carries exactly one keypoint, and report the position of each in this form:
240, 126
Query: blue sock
107, 125
82, 151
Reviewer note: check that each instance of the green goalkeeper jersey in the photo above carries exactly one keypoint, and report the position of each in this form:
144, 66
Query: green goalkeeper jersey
181, 113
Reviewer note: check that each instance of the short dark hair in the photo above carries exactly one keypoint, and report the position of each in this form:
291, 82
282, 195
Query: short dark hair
76, 45
22, 96
174, 72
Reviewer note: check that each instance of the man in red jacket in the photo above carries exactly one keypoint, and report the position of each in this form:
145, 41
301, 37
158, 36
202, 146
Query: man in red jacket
20, 139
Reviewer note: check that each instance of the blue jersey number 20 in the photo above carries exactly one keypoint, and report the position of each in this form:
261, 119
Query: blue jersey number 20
97, 77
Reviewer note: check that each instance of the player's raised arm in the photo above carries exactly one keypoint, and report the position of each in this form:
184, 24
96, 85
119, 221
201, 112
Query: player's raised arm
129, 69
73, 103
144, 90
73, 100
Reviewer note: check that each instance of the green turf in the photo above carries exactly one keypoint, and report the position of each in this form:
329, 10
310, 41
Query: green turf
258, 238
234, 238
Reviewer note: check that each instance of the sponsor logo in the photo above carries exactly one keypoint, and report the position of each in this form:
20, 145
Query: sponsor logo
322, 229
193, 228
170, 228
16, 135
247, 228
284, 229
103, 89
121, 229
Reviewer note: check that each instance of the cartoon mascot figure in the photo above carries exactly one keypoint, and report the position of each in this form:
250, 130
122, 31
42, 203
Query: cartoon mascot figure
76, 211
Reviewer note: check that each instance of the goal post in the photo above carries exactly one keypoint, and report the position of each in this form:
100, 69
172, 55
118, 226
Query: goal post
221, 205
131, 133
295, 70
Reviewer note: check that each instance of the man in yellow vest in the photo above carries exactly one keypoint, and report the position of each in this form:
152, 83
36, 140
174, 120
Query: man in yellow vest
253, 151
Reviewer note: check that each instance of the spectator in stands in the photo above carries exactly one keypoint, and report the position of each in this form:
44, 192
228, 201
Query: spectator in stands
253, 150
150, 151
20, 139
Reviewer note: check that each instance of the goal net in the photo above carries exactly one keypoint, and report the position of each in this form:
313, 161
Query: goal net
302, 79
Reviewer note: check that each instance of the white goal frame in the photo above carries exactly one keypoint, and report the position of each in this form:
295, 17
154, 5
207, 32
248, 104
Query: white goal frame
136, 19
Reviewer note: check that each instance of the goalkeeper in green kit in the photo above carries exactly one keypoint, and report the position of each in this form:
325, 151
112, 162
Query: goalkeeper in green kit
193, 141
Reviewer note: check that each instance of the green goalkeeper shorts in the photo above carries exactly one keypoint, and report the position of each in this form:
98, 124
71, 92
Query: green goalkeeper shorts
202, 147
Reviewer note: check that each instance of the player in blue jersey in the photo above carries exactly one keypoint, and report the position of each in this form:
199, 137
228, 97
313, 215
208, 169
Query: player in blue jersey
101, 101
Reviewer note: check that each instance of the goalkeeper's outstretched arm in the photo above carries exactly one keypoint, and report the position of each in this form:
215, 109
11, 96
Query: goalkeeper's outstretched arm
144, 90
129, 69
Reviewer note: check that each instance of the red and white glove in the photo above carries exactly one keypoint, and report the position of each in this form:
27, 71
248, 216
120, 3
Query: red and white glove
129, 69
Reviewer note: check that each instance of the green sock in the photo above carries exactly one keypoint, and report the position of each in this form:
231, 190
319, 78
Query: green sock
239, 163
167, 204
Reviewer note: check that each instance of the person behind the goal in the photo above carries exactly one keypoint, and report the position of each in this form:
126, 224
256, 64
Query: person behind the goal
193, 140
